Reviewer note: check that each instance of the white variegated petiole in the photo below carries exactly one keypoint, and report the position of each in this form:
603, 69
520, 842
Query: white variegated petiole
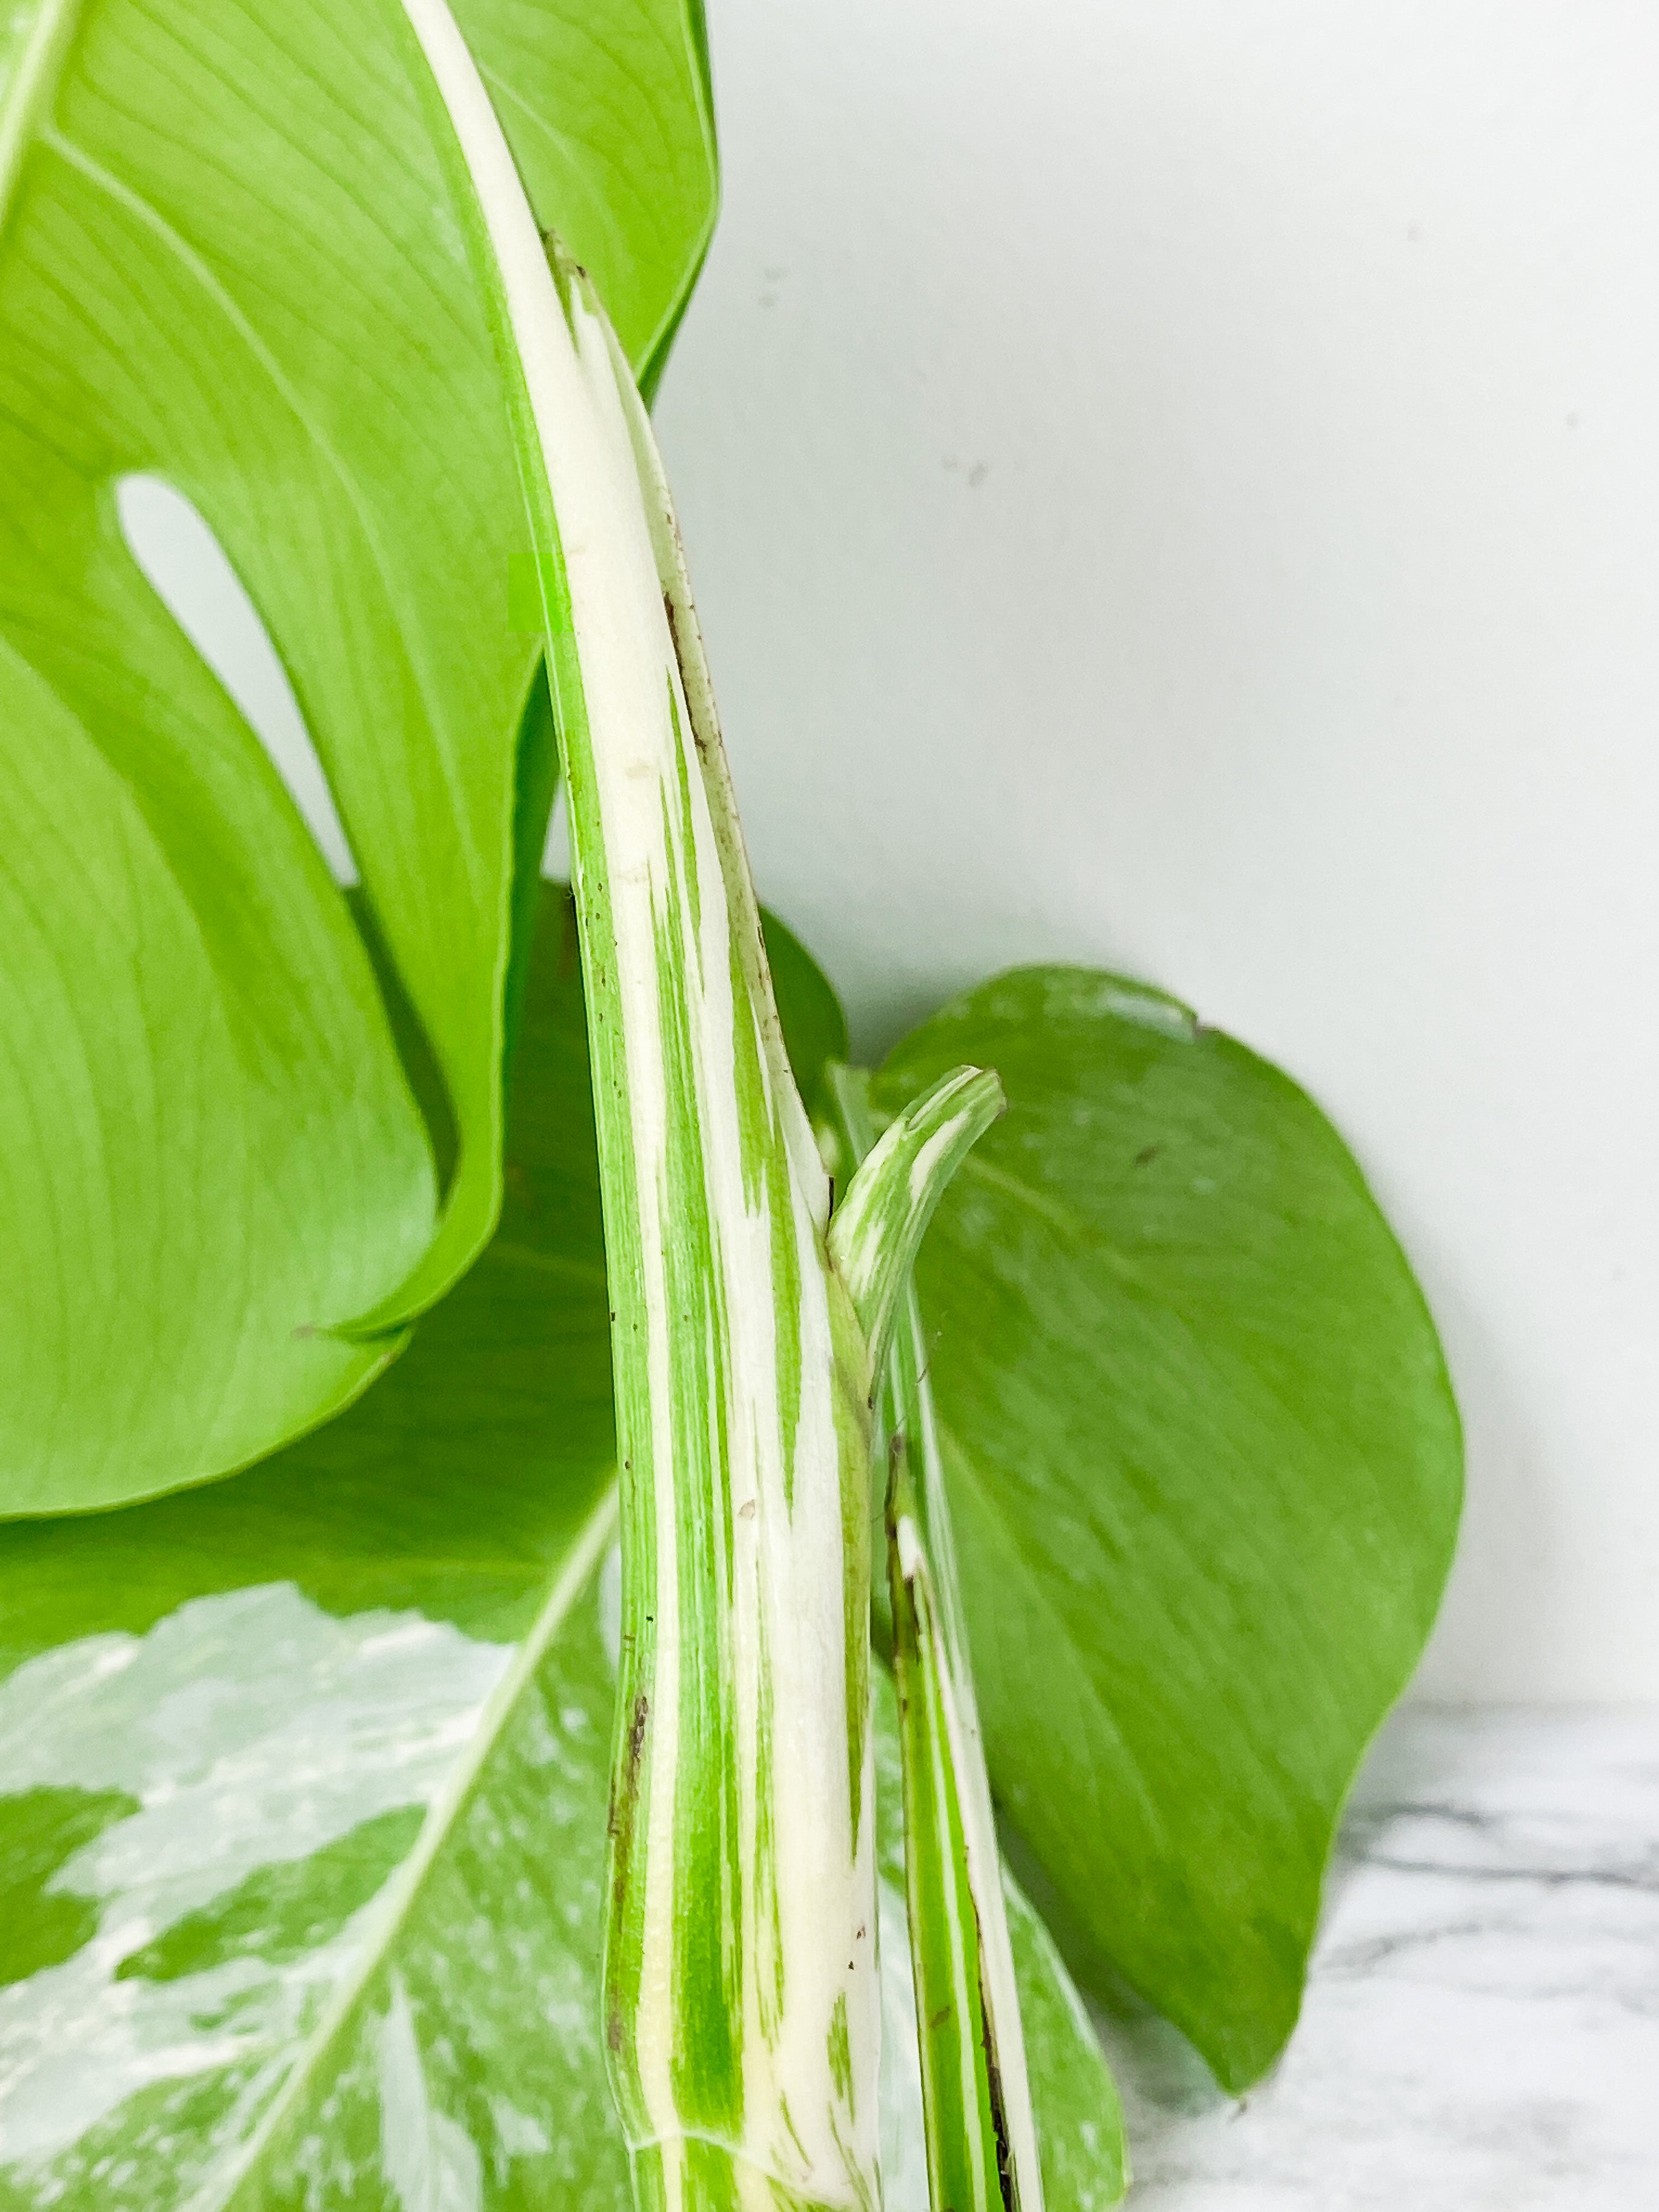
742, 2014
982, 2138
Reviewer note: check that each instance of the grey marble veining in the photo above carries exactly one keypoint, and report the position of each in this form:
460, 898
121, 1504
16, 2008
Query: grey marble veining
1481, 2030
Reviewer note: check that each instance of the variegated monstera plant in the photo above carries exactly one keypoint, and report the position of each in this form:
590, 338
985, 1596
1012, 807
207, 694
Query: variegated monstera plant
467, 1341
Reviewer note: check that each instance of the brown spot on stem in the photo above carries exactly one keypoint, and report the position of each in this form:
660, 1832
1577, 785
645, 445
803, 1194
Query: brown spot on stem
625, 1789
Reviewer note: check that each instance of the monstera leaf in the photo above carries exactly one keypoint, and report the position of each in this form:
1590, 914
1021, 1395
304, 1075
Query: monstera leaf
301, 1846
228, 258
1205, 1467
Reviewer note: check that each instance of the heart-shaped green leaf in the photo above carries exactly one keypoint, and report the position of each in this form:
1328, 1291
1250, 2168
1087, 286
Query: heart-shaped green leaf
1204, 1467
305, 1781
228, 257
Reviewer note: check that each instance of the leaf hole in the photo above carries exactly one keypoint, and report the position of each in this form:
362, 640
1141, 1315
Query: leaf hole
189, 570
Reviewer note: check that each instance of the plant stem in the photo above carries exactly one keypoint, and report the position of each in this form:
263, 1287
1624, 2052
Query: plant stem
982, 2137
742, 2014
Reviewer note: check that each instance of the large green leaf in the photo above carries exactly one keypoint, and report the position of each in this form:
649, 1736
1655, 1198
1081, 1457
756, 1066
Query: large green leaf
228, 257
1205, 1466
456, 1483
306, 1774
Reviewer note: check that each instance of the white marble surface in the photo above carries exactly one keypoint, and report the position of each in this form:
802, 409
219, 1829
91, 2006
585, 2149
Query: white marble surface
1481, 2029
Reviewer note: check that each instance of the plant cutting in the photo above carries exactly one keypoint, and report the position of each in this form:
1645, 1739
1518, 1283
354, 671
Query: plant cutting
340, 1738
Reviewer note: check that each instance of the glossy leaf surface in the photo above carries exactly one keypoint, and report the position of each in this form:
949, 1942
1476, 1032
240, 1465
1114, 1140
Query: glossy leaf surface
228, 258
226, 1715
1205, 1466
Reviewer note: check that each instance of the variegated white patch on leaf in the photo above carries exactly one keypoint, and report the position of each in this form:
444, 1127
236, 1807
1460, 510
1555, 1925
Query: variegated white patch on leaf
244, 1732
242, 1746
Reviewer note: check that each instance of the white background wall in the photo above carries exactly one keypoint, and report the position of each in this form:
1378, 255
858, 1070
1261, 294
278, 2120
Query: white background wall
1176, 483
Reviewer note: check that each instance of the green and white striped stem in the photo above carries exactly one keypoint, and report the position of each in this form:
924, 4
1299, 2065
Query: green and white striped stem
982, 2137
742, 2016
895, 1184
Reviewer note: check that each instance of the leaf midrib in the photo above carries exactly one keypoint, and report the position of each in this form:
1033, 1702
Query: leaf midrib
34, 87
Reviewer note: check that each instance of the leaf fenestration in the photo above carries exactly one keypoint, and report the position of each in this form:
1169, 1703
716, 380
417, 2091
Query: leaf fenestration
228, 259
